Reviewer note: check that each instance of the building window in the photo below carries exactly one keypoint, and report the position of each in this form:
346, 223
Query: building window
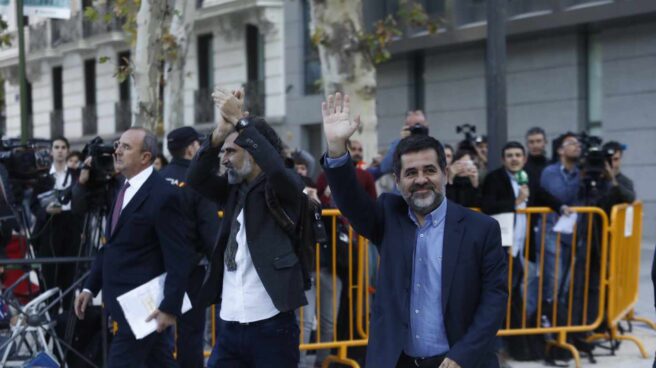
57, 114
205, 62
519, 7
203, 104
89, 117
311, 61
254, 88
470, 11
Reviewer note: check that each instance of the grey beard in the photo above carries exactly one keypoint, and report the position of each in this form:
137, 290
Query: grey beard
237, 176
234, 177
426, 208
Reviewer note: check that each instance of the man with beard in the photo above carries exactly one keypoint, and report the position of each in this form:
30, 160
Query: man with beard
441, 294
254, 271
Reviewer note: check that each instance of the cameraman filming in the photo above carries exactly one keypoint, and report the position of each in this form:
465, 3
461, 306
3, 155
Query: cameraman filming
57, 230
621, 190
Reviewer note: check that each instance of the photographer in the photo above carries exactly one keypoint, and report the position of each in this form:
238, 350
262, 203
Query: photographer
621, 190
463, 180
58, 228
415, 123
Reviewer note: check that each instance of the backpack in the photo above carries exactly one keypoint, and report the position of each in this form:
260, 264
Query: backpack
305, 234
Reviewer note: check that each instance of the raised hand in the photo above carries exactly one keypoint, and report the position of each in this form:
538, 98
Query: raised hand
229, 103
337, 125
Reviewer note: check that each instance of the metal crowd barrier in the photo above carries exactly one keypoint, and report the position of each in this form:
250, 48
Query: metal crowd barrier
573, 266
624, 273
583, 274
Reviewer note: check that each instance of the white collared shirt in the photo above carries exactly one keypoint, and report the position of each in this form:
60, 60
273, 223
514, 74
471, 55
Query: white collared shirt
62, 182
244, 298
135, 184
519, 237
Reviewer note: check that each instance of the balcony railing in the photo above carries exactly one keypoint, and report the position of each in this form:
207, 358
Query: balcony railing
89, 120
56, 123
203, 106
38, 39
122, 115
254, 99
66, 30
78, 27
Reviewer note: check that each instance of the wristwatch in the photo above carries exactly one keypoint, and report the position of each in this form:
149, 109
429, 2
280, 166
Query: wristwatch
241, 124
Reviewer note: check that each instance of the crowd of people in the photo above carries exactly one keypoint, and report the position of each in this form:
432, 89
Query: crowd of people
410, 201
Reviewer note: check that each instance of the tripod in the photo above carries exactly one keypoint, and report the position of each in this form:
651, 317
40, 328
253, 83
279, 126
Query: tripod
92, 239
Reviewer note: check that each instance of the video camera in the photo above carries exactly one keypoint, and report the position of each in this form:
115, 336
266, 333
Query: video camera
469, 131
102, 165
26, 162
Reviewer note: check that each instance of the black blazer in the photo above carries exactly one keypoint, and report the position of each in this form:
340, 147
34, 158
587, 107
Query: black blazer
150, 239
272, 250
474, 274
498, 193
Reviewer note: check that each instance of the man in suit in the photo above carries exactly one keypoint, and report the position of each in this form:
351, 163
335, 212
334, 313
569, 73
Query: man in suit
254, 271
203, 222
146, 237
442, 292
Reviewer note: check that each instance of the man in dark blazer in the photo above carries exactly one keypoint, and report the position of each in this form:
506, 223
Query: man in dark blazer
442, 291
254, 272
146, 236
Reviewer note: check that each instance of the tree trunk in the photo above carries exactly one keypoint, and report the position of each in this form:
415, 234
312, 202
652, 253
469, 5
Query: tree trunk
345, 64
181, 29
151, 22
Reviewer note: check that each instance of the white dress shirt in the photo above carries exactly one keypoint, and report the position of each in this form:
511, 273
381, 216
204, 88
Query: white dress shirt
62, 182
135, 184
244, 298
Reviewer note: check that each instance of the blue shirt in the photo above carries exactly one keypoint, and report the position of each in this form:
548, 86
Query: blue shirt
427, 334
565, 186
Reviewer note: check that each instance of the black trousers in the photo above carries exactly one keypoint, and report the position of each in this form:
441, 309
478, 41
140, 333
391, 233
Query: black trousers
153, 351
60, 238
191, 327
270, 343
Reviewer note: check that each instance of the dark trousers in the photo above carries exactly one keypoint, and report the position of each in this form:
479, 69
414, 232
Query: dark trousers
409, 362
191, 327
153, 351
61, 238
270, 343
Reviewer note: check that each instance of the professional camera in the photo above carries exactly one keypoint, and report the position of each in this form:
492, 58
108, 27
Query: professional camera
102, 165
418, 129
26, 162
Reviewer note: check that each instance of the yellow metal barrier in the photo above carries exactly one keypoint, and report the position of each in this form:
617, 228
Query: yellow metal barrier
566, 315
624, 273
563, 317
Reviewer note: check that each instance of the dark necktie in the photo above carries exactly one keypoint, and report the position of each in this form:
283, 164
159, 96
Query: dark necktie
118, 205
231, 249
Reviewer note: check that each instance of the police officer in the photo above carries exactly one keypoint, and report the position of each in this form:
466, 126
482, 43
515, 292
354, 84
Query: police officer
204, 226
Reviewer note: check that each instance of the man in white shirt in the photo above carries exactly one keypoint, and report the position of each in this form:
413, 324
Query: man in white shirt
146, 236
254, 271
58, 229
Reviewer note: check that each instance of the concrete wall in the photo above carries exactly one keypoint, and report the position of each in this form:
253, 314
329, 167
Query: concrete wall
629, 106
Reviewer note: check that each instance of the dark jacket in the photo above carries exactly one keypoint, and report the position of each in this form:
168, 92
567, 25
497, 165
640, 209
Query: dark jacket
271, 249
201, 215
463, 192
149, 239
474, 274
539, 196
